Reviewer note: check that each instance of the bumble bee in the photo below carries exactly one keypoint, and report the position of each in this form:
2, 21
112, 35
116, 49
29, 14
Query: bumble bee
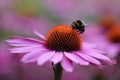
78, 25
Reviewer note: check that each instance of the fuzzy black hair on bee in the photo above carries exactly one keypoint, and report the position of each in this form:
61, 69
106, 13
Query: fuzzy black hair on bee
78, 25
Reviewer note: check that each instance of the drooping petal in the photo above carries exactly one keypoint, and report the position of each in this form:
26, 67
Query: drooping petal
39, 35
67, 64
31, 40
89, 58
89, 45
45, 57
75, 58
14, 41
25, 49
72, 57
57, 57
113, 50
18, 41
83, 62
33, 55
99, 51
19, 45
97, 55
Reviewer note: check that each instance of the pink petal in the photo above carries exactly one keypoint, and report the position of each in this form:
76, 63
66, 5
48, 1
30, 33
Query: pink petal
22, 40
75, 58
57, 57
83, 62
39, 35
33, 56
45, 57
26, 39
15, 41
89, 45
20, 45
89, 58
72, 57
113, 50
67, 64
99, 51
95, 54
24, 49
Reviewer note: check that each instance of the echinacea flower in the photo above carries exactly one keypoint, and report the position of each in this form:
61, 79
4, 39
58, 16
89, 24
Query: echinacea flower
106, 40
107, 21
62, 44
113, 34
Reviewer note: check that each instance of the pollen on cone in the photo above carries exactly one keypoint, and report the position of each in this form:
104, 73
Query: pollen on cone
63, 38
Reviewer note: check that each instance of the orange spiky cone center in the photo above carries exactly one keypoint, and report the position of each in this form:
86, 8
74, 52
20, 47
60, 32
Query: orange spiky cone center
63, 38
114, 34
107, 21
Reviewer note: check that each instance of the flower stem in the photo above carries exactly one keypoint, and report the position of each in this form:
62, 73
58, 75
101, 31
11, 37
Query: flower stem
57, 71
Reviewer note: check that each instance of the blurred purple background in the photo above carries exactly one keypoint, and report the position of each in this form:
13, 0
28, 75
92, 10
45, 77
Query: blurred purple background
22, 17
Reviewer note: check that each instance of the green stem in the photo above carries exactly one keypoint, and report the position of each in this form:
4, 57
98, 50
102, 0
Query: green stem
57, 71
